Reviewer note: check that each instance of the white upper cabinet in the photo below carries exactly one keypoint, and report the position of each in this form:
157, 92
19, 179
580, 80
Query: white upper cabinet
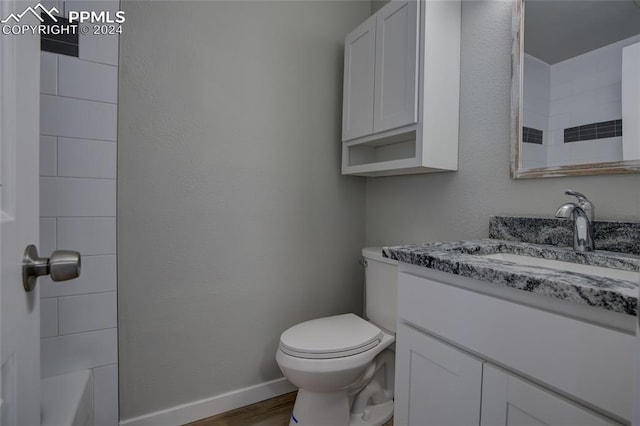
359, 59
401, 90
396, 71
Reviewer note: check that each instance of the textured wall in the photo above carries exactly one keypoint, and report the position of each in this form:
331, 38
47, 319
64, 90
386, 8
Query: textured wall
457, 205
234, 222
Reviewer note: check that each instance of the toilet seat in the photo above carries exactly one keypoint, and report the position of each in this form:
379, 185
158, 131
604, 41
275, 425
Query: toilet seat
330, 337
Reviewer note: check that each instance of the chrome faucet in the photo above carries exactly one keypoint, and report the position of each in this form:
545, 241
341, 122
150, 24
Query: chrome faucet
582, 215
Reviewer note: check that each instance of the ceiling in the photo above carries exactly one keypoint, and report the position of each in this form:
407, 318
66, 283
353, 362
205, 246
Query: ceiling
556, 30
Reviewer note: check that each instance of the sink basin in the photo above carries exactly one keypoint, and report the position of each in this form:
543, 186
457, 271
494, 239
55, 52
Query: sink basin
616, 274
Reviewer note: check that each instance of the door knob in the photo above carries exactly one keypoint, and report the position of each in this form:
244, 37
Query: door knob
63, 265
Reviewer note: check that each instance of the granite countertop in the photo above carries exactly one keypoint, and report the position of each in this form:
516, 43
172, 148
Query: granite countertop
464, 258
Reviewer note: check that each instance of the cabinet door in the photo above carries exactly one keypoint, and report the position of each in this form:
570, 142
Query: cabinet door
436, 384
359, 64
507, 400
396, 76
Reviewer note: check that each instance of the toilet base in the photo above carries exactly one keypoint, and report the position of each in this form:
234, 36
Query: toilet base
332, 408
320, 408
375, 415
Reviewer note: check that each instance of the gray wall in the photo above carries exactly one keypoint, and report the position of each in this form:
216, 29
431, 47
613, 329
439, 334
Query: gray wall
234, 222
448, 206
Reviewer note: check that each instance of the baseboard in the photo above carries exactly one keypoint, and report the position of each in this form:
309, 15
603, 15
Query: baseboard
208, 407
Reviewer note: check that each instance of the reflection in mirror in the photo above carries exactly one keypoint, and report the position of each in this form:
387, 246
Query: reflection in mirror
580, 87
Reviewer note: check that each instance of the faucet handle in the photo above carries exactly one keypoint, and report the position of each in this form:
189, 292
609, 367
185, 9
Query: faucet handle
579, 196
583, 203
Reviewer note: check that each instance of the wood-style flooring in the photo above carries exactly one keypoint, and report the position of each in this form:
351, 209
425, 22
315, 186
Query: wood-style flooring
272, 412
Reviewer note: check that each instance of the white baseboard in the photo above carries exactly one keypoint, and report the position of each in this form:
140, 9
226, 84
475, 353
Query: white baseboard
208, 407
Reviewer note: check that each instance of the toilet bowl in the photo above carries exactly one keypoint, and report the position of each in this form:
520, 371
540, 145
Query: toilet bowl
343, 365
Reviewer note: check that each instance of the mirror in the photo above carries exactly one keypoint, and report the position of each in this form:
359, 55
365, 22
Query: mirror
575, 98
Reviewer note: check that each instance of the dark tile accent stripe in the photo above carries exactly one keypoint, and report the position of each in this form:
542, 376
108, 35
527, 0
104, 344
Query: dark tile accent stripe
52, 46
604, 129
530, 135
65, 43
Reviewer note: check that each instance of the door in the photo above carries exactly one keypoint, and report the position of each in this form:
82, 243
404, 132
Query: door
508, 400
436, 384
19, 165
396, 69
357, 103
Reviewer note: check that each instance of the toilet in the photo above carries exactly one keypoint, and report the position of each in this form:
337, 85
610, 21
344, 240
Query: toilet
343, 365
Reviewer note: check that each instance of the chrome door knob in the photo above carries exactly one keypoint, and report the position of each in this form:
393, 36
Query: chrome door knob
63, 265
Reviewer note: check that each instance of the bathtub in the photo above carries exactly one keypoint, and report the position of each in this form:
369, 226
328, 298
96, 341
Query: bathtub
67, 400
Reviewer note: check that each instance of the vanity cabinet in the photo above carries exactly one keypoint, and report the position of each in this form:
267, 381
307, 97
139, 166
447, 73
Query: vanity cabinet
468, 358
435, 381
401, 90
508, 400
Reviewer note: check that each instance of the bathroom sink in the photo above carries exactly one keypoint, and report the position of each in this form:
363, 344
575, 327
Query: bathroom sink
616, 274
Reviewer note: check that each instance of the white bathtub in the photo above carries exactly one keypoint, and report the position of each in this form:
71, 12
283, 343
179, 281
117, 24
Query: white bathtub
67, 400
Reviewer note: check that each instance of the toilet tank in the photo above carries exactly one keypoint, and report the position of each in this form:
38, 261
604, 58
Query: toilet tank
380, 290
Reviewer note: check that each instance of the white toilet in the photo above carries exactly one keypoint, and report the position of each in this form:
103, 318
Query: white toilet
343, 365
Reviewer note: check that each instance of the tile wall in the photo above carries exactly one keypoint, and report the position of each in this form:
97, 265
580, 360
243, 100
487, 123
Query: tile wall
583, 92
586, 90
78, 122
535, 98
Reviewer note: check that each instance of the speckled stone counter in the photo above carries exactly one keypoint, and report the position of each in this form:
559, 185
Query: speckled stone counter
464, 258
623, 237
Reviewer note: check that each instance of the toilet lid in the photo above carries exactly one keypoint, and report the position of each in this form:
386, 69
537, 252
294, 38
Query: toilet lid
330, 337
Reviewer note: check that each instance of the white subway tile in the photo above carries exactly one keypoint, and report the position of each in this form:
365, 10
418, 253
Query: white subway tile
597, 113
535, 120
98, 274
86, 158
561, 154
48, 156
77, 118
48, 73
102, 47
559, 121
608, 55
99, 48
52, 3
585, 83
555, 137
574, 104
87, 312
87, 80
611, 73
89, 236
105, 395
606, 149
610, 93
64, 354
49, 317
538, 104
47, 236
560, 91
77, 197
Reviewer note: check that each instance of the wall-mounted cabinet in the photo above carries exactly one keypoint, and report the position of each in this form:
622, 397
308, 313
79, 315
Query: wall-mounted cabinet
401, 90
